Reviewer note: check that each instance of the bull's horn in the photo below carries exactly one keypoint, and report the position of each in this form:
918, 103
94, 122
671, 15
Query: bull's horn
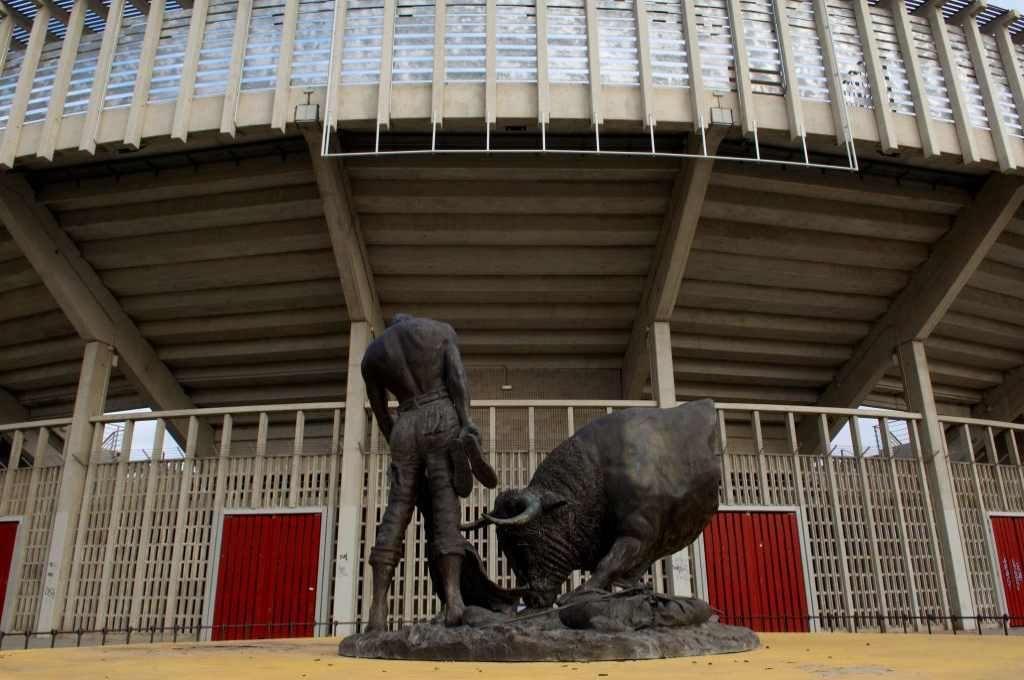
532, 509
480, 523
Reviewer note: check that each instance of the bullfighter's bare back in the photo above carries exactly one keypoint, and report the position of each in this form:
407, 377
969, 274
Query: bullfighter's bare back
409, 358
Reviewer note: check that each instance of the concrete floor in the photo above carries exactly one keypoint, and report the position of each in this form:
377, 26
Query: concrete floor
824, 655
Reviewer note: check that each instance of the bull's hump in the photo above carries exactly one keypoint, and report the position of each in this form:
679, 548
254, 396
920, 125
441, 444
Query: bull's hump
647, 456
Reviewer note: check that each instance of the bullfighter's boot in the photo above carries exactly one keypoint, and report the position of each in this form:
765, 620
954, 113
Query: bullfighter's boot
383, 574
450, 569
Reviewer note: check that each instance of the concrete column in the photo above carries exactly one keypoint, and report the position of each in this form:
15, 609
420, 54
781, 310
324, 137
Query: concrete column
89, 402
663, 385
919, 396
663, 379
351, 497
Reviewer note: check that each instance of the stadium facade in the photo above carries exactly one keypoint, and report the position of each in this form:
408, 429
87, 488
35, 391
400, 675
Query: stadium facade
209, 209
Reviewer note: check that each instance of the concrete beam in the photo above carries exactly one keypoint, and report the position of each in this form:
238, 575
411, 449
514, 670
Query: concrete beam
924, 301
98, 8
63, 16
11, 411
666, 276
90, 307
347, 241
1004, 401
922, 304
22, 21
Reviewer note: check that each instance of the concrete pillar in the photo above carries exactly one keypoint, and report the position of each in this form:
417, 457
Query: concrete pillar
663, 385
350, 498
89, 402
919, 396
663, 379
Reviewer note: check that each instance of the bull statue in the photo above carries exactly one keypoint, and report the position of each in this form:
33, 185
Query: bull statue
624, 491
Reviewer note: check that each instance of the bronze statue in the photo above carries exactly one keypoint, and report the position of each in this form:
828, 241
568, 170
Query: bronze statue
624, 491
434, 448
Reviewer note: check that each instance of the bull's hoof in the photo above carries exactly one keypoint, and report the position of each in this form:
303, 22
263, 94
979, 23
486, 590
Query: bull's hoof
453, 616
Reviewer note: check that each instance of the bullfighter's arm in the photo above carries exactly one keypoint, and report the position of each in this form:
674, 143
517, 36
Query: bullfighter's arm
457, 383
458, 390
378, 401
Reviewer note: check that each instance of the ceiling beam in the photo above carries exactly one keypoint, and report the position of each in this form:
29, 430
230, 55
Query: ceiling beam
666, 276
347, 242
11, 411
90, 307
1005, 401
98, 8
56, 11
920, 306
19, 19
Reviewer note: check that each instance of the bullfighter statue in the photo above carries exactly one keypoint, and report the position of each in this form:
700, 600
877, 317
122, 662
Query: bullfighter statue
434, 449
622, 492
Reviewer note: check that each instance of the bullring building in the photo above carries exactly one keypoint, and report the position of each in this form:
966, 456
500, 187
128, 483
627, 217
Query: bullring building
806, 210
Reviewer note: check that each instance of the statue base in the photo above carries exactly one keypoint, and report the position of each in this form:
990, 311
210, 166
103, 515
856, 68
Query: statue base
547, 642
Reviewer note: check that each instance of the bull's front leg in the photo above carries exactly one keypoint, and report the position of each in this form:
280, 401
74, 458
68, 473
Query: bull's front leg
615, 567
618, 565
623, 561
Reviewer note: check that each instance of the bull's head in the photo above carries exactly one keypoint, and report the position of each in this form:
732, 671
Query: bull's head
533, 539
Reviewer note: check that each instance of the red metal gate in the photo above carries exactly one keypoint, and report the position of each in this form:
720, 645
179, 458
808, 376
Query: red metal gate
1009, 535
267, 576
8, 534
754, 571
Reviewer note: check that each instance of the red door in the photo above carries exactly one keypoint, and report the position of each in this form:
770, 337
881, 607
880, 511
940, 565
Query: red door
8, 534
1009, 535
266, 579
755, 575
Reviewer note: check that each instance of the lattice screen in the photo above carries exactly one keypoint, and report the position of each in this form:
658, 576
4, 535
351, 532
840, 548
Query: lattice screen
873, 549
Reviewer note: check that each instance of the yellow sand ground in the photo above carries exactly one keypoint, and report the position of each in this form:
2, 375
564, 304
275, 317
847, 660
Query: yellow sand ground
824, 655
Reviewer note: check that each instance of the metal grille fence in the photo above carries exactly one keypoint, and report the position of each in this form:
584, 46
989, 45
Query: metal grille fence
516, 27
170, 57
934, 82
893, 65
968, 78
812, 79
668, 44
1003, 95
144, 539
567, 41
215, 52
414, 42
262, 45
620, 62
121, 83
762, 46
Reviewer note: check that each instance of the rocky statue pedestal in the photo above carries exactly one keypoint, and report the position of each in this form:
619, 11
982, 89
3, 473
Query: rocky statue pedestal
590, 626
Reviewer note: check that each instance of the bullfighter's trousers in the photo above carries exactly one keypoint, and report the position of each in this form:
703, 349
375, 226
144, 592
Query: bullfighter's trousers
420, 443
